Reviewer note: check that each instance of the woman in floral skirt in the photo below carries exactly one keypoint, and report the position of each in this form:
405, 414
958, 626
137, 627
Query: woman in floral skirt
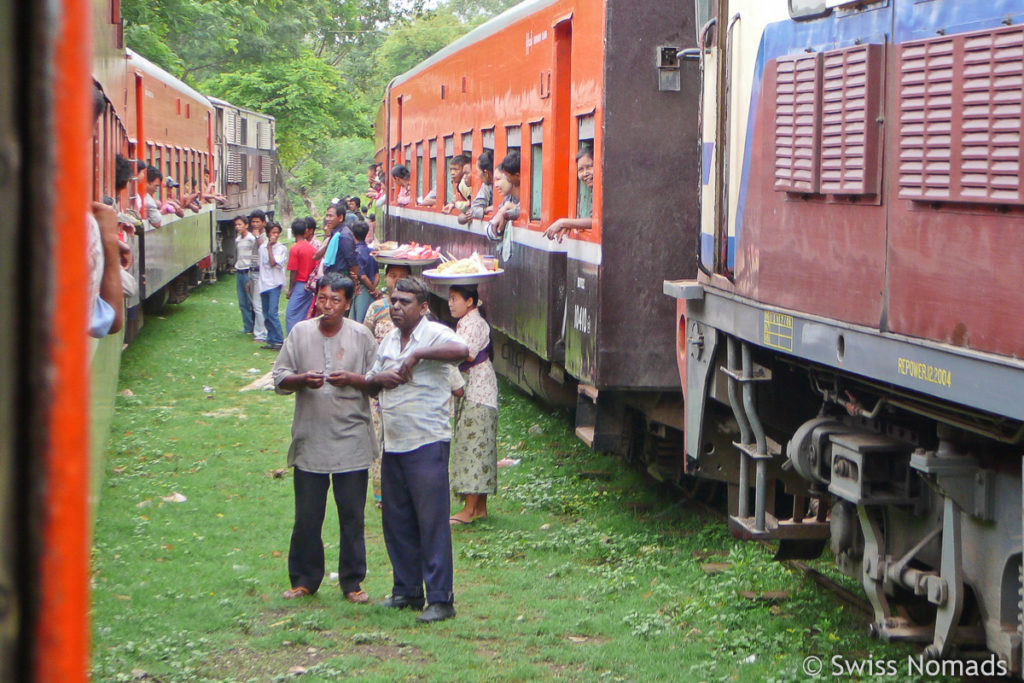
473, 467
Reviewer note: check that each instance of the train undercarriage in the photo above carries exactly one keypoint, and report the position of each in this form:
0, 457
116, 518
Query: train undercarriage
917, 499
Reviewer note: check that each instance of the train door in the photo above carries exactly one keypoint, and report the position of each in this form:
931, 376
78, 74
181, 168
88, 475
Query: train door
713, 26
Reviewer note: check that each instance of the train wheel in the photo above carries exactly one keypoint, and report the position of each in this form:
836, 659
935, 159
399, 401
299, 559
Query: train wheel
154, 305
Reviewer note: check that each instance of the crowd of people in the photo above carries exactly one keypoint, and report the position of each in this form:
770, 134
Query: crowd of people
376, 381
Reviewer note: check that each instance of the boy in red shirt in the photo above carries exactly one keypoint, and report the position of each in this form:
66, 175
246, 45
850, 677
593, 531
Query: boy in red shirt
300, 266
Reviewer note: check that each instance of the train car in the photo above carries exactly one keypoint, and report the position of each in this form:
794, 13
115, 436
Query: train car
177, 133
246, 153
855, 321
579, 321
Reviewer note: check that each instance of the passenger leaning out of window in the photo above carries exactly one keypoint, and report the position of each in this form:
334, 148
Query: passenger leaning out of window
483, 202
585, 207
401, 175
506, 181
460, 173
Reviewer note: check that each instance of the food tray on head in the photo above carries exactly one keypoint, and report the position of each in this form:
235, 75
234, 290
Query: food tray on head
411, 262
460, 278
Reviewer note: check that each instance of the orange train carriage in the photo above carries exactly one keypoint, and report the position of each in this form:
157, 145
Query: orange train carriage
56, 385
547, 78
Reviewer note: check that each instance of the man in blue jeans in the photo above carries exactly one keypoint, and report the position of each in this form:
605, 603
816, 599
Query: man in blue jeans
411, 375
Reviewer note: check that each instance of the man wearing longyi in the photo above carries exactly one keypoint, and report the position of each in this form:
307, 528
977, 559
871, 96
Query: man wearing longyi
411, 374
323, 362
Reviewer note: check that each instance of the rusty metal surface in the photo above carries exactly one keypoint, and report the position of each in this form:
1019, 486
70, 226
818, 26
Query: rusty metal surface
650, 220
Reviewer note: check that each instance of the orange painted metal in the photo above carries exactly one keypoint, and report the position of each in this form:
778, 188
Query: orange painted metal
140, 132
209, 147
62, 630
506, 85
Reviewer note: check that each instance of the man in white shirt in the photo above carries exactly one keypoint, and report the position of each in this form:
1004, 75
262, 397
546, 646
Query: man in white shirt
411, 375
257, 226
273, 257
245, 251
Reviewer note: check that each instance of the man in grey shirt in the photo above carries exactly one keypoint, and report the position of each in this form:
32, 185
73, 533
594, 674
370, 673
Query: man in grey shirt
411, 374
322, 362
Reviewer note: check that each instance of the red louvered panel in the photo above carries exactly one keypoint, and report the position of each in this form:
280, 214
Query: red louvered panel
961, 118
993, 86
797, 123
850, 132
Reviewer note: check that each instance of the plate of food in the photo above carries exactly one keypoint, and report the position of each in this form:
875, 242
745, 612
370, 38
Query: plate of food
411, 254
466, 271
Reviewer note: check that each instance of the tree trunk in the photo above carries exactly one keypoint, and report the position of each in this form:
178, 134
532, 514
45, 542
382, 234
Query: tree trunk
284, 202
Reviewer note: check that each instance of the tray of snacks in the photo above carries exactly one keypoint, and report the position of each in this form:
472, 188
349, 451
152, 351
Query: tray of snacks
466, 271
411, 254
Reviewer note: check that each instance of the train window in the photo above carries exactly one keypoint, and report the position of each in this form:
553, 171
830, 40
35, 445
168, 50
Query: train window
419, 169
705, 10
487, 138
467, 143
536, 169
408, 156
513, 138
584, 194
809, 9
449, 152
432, 171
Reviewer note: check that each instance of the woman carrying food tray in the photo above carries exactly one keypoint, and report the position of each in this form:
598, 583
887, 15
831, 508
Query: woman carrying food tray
473, 468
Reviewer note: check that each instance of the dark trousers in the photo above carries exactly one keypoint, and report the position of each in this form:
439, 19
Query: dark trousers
306, 554
244, 299
414, 491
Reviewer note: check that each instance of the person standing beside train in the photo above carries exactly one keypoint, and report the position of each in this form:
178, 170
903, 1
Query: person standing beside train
585, 205
300, 268
339, 253
474, 457
369, 272
506, 180
245, 251
332, 437
272, 261
411, 375
257, 226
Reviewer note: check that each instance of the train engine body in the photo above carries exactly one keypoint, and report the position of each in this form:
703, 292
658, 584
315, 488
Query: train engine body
856, 318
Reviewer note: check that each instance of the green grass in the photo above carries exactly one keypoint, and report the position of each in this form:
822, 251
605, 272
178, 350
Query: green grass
571, 578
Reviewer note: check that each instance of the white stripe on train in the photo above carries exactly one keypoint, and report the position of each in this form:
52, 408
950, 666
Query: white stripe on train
577, 250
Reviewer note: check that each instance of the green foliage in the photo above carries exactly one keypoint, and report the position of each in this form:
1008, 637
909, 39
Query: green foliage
305, 94
319, 66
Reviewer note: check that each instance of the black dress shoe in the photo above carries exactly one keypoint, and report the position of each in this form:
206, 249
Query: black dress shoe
437, 611
400, 602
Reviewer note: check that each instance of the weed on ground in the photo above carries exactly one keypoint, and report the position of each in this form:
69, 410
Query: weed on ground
573, 577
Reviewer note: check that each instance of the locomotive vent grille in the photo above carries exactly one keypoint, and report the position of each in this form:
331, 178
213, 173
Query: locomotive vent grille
263, 134
230, 127
266, 166
960, 138
234, 167
851, 93
797, 123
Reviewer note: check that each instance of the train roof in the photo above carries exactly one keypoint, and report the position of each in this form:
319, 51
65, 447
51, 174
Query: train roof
150, 69
224, 103
484, 30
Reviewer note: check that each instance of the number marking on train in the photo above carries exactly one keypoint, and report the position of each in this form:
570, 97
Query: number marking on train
924, 372
778, 330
